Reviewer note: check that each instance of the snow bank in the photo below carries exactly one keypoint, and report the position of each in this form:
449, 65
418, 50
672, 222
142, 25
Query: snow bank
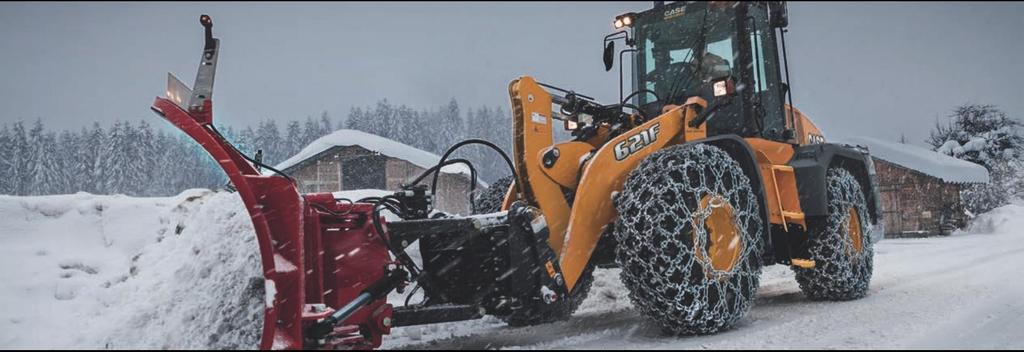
375, 143
936, 164
1007, 219
85, 272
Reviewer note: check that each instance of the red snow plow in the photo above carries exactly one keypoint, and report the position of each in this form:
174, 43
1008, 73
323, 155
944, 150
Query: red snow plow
330, 263
318, 253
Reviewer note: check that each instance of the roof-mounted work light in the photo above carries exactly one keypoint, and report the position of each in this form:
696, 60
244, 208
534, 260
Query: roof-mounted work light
624, 20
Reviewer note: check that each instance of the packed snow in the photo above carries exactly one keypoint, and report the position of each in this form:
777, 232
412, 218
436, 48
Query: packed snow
375, 143
86, 271
961, 291
935, 164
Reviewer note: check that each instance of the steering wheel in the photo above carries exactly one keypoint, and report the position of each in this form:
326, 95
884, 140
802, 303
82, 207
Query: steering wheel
673, 77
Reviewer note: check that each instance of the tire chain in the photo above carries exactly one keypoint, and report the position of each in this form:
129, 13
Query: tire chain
840, 272
659, 208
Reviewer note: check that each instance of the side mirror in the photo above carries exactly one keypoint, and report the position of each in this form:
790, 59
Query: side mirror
609, 55
778, 16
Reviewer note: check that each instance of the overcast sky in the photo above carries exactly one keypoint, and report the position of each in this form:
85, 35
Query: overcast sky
875, 69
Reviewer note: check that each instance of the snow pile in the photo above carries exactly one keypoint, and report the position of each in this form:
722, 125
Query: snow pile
1007, 219
86, 272
418, 157
935, 164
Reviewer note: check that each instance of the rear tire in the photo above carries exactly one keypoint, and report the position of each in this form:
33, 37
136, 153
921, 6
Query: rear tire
535, 312
840, 244
671, 235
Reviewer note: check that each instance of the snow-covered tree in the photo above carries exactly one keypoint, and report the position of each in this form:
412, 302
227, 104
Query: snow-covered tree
117, 162
326, 126
311, 131
66, 146
90, 159
6, 161
382, 120
982, 134
451, 125
293, 140
411, 128
246, 141
146, 150
985, 135
269, 140
356, 119
48, 175
32, 154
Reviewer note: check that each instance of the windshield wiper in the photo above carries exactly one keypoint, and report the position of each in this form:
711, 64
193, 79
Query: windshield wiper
701, 37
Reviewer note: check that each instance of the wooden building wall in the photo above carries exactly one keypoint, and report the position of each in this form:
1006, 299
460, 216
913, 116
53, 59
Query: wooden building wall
916, 204
354, 167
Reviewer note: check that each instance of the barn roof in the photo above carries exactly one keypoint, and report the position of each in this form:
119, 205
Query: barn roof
372, 142
928, 162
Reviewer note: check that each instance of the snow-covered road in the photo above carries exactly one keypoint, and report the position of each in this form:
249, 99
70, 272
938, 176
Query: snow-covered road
963, 291
84, 271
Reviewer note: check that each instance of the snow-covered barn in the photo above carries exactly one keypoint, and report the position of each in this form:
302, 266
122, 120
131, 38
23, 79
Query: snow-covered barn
920, 188
352, 160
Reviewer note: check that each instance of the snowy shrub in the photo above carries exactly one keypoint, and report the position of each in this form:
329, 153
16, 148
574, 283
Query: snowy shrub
985, 135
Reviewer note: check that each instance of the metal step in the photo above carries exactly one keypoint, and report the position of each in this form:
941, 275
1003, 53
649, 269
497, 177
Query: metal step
783, 168
795, 215
803, 263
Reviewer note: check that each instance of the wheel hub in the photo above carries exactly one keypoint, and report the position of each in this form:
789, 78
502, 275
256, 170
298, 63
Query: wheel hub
723, 242
854, 229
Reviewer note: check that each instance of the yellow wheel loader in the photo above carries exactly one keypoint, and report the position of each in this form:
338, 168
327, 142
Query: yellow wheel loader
690, 185
697, 179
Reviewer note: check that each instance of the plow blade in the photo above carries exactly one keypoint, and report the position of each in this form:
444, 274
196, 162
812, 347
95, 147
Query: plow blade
275, 207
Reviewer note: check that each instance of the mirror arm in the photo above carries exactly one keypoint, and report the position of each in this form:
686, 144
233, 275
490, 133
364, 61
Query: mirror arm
612, 36
633, 50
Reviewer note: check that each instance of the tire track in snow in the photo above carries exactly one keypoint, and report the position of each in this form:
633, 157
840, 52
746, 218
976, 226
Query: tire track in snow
967, 281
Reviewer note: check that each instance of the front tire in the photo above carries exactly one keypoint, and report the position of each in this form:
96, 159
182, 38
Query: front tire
690, 239
839, 244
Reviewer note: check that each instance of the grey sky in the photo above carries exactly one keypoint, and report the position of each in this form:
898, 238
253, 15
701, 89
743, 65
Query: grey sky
877, 69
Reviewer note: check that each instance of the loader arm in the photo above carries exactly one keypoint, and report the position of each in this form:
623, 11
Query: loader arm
575, 231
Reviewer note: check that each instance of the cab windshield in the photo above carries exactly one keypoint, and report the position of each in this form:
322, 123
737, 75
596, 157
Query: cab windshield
684, 48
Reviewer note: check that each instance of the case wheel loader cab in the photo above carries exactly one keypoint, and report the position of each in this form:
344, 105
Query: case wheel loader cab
683, 47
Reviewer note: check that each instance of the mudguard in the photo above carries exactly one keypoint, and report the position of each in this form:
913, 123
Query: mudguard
811, 162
